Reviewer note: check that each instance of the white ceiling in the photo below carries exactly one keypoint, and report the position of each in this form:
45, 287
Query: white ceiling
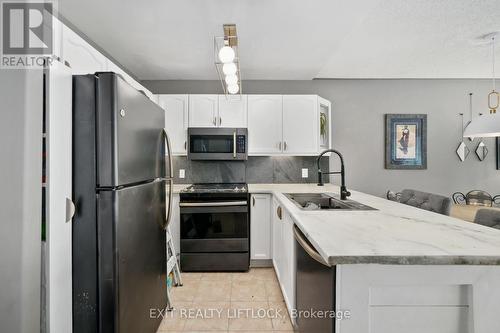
294, 39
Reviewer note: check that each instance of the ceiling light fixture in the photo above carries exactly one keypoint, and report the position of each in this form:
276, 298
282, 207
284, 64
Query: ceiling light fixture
227, 60
487, 125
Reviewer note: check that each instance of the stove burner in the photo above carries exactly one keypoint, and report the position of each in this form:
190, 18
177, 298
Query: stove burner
217, 187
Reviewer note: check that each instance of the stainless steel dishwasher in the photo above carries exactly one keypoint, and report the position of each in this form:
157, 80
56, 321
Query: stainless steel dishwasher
315, 287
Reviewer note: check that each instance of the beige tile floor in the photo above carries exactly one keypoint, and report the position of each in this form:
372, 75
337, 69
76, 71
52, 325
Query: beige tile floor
223, 302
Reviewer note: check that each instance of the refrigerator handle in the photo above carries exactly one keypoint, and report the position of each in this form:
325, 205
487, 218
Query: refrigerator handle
170, 198
168, 152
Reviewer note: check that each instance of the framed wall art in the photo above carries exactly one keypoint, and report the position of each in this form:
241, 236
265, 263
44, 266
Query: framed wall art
406, 141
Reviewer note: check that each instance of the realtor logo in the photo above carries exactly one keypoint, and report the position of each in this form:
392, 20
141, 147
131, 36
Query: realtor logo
26, 30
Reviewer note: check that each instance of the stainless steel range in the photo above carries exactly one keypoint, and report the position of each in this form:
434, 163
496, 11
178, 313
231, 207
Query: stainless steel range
215, 227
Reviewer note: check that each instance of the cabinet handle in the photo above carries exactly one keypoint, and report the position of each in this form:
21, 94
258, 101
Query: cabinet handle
220, 121
214, 121
185, 145
253, 201
70, 209
278, 212
285, 147
279, 145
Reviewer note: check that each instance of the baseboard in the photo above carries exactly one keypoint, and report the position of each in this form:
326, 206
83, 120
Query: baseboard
259, 263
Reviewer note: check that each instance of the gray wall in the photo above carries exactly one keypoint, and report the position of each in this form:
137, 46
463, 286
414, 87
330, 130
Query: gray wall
20, 199
358, 127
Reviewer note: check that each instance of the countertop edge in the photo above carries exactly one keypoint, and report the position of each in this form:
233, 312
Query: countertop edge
369, 259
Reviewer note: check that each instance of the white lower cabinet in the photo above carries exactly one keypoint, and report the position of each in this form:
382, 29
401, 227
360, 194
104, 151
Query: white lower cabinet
418, 298
260, 226
284, 252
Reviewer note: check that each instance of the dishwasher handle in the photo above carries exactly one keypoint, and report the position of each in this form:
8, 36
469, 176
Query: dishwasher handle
311, 251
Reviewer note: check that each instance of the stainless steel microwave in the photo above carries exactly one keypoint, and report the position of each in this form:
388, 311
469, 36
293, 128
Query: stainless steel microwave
206, 143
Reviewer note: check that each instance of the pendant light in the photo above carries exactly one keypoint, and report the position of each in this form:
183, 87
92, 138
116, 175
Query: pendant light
487, 125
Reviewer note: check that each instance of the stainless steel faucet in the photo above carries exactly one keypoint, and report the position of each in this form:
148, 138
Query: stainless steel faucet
344, 193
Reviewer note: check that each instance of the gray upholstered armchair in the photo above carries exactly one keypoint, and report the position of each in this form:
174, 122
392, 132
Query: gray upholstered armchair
424, 200
488, 217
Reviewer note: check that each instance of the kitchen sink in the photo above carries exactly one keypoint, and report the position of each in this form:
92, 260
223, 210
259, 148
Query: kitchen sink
324, 201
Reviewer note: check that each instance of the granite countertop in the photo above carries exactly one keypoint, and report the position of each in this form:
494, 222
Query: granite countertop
393, 234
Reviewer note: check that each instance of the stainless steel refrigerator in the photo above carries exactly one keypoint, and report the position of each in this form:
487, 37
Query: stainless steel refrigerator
122, 188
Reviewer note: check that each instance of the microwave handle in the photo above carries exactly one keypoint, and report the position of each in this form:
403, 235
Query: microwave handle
234, 144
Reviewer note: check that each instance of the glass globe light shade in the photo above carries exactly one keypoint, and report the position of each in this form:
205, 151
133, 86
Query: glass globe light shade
226, 54
229, 68
233, 89
231, 79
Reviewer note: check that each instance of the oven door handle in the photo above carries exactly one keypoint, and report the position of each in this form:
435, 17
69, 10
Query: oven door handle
213, 204
234, 144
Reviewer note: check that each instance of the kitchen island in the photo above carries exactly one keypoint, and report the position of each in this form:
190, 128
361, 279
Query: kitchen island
396, 268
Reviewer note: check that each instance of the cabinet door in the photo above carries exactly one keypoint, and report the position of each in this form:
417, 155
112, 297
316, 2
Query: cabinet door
176, 120
232, 111
82, 57
265, 124
203, 110
260, 226
300, 124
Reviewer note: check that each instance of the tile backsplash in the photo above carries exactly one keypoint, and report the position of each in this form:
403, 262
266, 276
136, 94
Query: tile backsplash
257, 169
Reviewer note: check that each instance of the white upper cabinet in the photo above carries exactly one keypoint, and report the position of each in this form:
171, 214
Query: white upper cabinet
81, 56
265, 131
176, 120
203, 110
300, 125
232, 111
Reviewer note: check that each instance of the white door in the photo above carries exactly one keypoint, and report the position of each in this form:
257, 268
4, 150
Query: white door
203, 110
176, 121
260, 227
265, 124
232, 111
81, 56
300, 124
59, 176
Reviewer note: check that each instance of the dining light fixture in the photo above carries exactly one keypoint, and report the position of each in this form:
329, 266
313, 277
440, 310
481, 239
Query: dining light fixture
227, 60
487, 125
